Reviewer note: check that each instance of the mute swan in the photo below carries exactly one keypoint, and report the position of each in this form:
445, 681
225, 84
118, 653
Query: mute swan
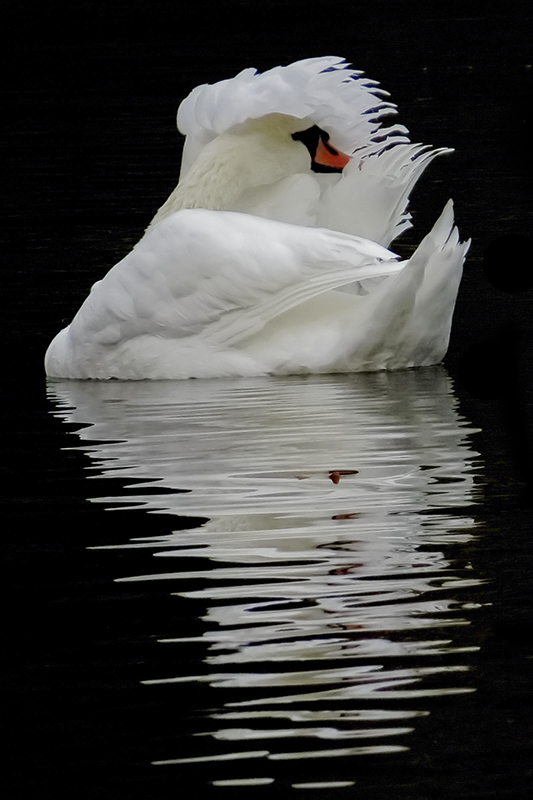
271, 255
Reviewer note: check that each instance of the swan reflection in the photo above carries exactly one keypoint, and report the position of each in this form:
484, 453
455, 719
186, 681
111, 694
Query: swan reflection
328, 607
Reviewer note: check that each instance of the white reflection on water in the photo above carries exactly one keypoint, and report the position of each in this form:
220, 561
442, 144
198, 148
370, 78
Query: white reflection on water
332, 503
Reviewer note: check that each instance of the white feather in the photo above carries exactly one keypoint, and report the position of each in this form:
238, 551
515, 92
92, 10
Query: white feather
257, 265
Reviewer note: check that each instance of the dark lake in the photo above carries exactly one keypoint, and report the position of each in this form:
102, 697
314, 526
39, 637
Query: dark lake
315, 587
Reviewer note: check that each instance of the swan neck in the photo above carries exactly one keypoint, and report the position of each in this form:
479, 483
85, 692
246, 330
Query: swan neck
256, 153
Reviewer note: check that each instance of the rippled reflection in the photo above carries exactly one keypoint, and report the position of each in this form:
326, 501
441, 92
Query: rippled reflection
335, 579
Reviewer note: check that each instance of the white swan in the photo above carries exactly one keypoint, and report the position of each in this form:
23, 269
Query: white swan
257, 263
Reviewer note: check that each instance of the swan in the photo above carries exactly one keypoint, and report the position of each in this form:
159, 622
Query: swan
271, 256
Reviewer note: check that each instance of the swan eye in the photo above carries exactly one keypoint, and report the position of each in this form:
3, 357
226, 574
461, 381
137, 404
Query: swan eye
310, 137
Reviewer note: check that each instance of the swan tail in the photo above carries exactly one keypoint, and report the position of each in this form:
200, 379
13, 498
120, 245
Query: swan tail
441, 257
407, 319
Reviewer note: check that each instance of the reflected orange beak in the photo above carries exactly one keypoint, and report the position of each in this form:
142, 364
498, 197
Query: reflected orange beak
327, 156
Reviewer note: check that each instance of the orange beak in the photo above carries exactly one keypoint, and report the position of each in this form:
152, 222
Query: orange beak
327, 156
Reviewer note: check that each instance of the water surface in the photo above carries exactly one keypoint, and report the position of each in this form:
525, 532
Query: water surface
321, 539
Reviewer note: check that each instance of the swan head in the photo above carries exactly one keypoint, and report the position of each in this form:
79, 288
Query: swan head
256, 129
278, 131
256, 153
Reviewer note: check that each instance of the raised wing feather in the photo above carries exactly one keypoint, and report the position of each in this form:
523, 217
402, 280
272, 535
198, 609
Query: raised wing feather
327, 91
372, 196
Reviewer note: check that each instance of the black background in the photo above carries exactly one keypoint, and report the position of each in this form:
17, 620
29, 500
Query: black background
91, 150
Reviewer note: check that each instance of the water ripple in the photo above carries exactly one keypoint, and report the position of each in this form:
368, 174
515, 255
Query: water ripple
331, 578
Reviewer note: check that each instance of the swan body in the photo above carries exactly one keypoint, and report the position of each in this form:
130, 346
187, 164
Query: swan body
257, 264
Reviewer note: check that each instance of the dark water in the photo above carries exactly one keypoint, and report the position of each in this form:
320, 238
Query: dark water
194, 602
